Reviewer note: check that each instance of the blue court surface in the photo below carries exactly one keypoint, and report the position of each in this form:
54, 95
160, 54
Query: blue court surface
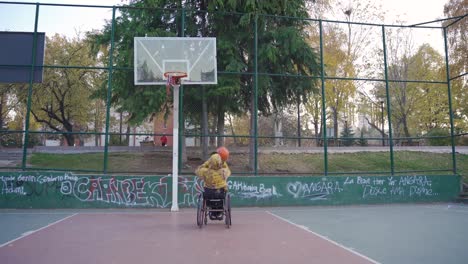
429, 233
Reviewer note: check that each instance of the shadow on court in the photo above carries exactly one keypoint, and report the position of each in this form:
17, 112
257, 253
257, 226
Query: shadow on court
425, 233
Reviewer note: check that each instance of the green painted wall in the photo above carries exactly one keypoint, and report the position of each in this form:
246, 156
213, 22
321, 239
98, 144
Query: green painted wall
67, 190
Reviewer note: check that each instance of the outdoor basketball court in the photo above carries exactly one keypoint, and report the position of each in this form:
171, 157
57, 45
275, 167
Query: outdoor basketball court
425, 233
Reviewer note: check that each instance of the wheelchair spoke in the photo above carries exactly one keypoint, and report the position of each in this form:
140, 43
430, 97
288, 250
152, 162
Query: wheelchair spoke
200, 212
217, 208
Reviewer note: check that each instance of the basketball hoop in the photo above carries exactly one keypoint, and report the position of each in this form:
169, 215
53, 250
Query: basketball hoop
176, 62
173, 79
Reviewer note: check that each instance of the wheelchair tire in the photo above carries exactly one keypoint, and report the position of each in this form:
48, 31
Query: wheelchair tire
227, 211
200, 211
205, 212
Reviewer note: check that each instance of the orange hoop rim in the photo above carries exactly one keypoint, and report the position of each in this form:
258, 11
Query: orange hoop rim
175, 74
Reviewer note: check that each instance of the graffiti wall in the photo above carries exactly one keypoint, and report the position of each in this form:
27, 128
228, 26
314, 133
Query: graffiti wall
67, 190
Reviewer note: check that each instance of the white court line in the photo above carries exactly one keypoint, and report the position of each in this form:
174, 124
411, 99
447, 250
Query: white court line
450, 208
131, 212
459, 211
34, 231
325, 238
32, 213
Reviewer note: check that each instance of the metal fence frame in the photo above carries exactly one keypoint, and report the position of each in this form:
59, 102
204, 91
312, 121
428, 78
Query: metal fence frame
110, 69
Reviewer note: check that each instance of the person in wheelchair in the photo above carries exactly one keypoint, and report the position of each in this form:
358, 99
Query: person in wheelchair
214, 173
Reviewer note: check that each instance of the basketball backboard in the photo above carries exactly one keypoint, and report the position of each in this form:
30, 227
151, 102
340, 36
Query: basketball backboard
156, 55
16, 52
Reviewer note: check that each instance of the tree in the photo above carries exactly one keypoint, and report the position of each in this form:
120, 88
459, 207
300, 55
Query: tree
16, 123
457, 34
347, 54
144, 101
238, 125
281, 50
347, 134
61, 101
314, 111
416, 107
431, 108
457, 38
337, 92
8, 102
318, 8
140, 101
362, 140
372, 110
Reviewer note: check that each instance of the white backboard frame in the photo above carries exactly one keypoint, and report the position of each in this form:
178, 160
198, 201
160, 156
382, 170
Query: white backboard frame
195, 56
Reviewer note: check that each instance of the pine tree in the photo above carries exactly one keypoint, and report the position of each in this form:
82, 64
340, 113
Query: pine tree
362, 141
347, 135
282, 50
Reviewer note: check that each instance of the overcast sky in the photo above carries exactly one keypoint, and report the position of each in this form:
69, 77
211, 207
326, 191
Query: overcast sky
16, 18
68, 21
414, 11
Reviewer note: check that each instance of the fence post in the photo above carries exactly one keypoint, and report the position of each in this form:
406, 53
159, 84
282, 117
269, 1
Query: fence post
109, 93
449, 91
387, 94
31, 78
324, 116
255, 106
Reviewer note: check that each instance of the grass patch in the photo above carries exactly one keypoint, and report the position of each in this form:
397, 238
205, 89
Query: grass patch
359, 162
88, 161
274, 163
116, 162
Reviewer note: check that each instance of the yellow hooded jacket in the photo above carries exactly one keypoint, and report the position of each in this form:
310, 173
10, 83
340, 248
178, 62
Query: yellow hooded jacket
214, 172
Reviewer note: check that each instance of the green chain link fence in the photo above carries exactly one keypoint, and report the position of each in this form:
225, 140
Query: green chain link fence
295, 96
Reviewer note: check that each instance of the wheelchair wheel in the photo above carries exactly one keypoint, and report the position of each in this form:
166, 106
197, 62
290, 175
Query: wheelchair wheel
200, 211
227, 211
205, 212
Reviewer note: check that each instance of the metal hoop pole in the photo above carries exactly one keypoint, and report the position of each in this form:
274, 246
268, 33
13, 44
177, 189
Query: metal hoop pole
175, 149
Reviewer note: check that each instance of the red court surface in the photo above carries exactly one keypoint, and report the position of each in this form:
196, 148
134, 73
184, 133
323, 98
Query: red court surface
162, 237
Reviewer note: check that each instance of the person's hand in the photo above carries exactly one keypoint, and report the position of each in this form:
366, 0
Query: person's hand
224, 173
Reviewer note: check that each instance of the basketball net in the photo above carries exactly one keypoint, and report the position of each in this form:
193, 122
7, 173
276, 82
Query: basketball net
173, 79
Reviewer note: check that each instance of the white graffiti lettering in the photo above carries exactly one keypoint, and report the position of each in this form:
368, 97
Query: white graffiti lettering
7, 178
348, 181
14, 190
400, 191
314, 190
129, 192
157, 191
415, 180
27, 178
361, 180
246, 191
373, 191
420, 191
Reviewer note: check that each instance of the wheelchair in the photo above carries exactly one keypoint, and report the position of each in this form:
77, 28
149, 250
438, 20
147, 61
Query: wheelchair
215, 205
